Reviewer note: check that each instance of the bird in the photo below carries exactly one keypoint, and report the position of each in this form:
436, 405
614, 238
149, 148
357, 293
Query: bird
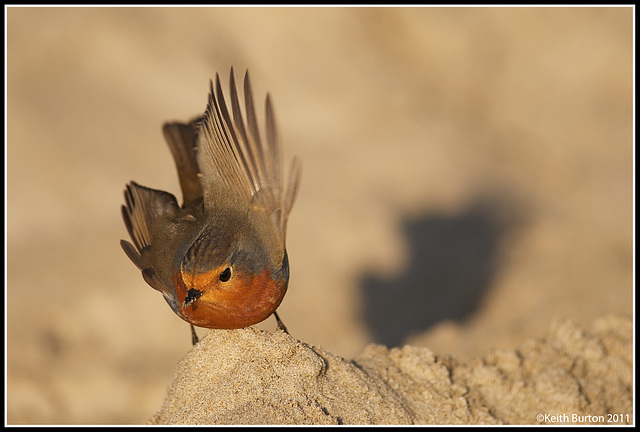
220, 258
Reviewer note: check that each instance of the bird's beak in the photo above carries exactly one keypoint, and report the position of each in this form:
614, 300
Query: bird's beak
192, 295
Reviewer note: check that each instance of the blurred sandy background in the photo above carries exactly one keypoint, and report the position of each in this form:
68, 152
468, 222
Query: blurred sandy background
467, 177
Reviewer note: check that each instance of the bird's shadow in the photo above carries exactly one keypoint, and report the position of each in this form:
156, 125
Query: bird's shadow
454, 259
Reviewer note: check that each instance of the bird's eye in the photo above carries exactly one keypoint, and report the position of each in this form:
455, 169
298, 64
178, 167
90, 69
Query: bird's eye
225, 275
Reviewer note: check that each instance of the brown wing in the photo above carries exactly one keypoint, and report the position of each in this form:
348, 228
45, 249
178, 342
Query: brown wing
143, 207
235, 153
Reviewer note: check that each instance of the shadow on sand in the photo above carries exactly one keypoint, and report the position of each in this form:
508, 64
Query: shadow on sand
453, 262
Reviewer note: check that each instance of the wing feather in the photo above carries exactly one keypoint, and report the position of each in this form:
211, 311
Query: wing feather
235, 153
143, 206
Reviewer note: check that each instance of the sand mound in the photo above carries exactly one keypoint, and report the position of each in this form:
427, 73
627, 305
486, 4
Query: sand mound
250, 376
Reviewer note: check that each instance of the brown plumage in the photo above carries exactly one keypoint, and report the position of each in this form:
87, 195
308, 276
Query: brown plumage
219, 259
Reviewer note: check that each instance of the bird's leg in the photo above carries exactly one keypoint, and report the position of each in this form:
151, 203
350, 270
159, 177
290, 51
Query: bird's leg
281, 325
194, 336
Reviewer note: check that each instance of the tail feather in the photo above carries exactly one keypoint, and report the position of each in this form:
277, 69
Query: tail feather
182, 143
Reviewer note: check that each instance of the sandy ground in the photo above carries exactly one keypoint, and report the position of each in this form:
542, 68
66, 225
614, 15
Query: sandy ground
467, 180
568, 376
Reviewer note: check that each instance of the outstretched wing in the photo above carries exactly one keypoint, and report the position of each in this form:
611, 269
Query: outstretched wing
237, 154
143, 206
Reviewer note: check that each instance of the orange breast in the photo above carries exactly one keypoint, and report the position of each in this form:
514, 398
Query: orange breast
245, 300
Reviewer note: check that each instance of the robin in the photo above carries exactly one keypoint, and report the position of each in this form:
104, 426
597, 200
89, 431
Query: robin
220, 259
